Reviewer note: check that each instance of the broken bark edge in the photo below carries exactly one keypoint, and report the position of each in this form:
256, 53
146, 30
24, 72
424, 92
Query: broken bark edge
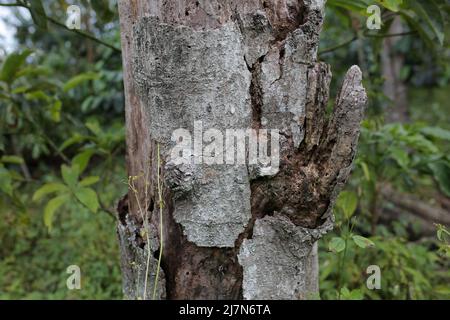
138, 262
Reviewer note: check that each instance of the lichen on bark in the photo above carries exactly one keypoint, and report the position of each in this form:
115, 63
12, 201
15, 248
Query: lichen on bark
183, 76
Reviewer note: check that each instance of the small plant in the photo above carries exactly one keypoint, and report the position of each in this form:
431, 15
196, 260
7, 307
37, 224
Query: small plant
70, 188
145, 231
346, 240
443, 235
161, 206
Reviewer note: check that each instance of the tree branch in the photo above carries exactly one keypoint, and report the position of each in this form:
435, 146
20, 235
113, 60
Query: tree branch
366, 35
416, 206
62, 25
83, 34
331, 49
390, 35
108, 211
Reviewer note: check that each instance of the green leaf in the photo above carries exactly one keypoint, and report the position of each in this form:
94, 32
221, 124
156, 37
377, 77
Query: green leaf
77, 138
70, 174
55, 111
347, 202
393, 5
94, 126
79, 79
6, 181
82, 159
358, 6
47, 189
351, 295
366, 170
20, 89
356, 294
89, 181
362, 242
12, 65
441, 173
88, 197
421, 143
431, 15
51, 207
436, 132
38, 13
439, 235
33, 71
337, 244
12, 159
442, 233
400, 156
37, 95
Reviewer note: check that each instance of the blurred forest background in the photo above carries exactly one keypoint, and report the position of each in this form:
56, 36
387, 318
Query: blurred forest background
62, 151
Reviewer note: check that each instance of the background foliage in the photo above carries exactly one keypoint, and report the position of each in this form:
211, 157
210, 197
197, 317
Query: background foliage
62, 151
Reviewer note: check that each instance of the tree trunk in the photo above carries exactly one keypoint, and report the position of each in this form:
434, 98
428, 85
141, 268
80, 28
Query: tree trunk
230, 231
394, 88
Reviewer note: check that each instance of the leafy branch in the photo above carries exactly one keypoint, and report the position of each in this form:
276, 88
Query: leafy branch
41, 13
425, 18
366, 35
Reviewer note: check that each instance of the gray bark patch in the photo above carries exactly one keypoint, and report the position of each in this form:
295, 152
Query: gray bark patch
278, 260
185, 75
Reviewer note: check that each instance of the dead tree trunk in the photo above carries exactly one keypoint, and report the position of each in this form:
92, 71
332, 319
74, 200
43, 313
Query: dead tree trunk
230, 231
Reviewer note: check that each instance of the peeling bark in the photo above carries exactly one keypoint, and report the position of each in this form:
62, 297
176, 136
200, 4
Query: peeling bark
232, 231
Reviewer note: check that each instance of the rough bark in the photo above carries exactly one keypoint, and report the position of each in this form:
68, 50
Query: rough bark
231, 231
